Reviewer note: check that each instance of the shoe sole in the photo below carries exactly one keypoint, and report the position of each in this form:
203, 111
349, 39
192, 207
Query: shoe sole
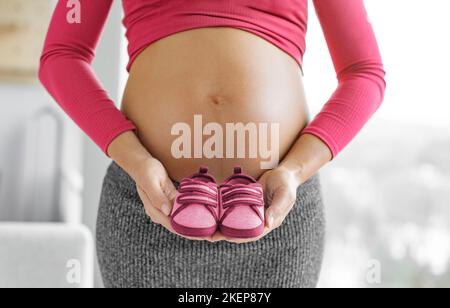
193, 232
242, 233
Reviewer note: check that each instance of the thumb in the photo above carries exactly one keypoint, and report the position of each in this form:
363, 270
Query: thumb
158, 198
169, 190
279, 207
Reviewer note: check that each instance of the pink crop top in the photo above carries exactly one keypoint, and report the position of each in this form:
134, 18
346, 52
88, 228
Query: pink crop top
66, 72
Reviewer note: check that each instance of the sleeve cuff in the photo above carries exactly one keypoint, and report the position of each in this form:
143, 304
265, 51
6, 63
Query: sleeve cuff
324, 137
113, 134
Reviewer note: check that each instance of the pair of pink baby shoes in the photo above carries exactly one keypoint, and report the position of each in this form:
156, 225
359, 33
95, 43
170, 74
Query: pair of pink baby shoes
236, 207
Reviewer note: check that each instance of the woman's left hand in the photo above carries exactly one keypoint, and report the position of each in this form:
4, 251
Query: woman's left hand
306, 157
280, 190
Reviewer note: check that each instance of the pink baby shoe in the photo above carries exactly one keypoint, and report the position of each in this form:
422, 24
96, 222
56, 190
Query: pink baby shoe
241, 206
196, 209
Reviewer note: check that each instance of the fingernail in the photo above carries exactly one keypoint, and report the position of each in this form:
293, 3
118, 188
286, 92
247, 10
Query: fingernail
270, 220
165, 209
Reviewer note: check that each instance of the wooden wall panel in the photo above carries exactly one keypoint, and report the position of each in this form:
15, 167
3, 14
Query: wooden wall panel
23, 25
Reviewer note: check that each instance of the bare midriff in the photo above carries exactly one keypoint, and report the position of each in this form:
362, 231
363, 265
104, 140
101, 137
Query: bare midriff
225, 76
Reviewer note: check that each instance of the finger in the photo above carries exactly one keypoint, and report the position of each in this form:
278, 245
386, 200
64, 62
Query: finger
217, 237
164, 220
157, 217
169, 190
279, 208
157, 198
147, 205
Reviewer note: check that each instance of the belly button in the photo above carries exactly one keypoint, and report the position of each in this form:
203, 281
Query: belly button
218, 100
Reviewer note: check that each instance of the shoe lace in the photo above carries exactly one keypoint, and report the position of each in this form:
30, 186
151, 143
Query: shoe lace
193, 191
239, 195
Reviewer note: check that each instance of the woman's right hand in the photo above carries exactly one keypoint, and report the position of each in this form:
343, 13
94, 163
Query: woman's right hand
157, 193
154, 186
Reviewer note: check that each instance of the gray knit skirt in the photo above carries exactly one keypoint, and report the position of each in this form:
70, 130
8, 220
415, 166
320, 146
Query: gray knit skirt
135, 252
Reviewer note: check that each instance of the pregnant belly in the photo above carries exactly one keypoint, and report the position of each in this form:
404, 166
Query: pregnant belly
217, 97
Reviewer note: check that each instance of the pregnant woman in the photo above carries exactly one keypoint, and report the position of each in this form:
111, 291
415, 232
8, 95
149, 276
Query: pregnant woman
229, 61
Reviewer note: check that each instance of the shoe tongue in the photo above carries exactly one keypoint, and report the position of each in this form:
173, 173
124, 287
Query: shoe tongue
239, 177
203, 175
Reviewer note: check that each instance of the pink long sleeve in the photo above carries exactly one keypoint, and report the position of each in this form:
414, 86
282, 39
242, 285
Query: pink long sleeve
65, 71
359, 69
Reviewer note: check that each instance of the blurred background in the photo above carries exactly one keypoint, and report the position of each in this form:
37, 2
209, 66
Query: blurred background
387, 195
